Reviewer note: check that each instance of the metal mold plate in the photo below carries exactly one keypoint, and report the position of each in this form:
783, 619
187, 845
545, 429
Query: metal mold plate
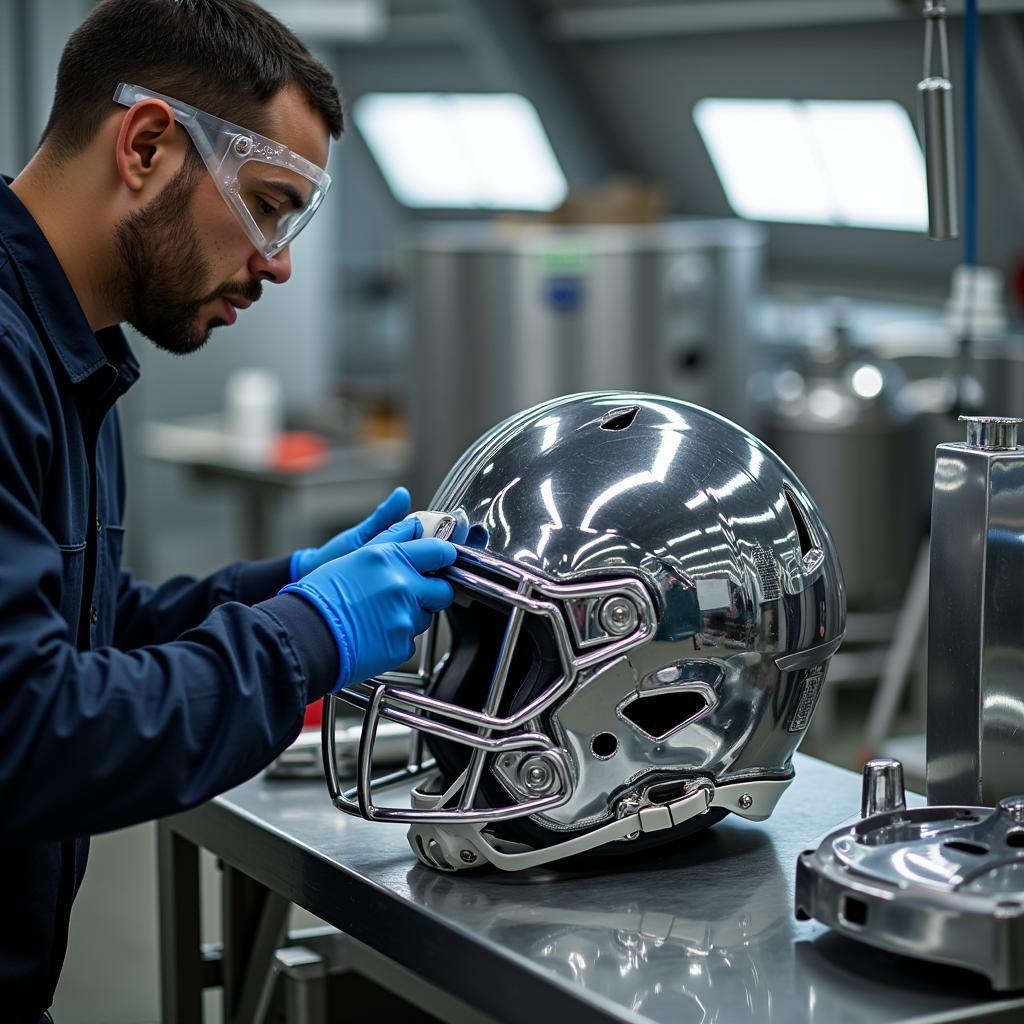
939, 883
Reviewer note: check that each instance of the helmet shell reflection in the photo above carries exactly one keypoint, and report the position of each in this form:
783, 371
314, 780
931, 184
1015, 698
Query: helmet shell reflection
743, 573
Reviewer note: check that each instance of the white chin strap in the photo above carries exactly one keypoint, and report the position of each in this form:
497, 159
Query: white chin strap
459, 847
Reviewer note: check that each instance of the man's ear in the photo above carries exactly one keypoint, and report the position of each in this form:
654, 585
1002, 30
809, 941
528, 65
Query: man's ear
148, 147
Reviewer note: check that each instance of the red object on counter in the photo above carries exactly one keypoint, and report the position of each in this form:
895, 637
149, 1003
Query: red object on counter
298, 451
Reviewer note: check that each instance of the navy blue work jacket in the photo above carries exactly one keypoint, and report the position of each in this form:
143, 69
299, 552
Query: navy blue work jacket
119, 702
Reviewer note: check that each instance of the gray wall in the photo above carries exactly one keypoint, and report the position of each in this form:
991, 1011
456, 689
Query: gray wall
32, 35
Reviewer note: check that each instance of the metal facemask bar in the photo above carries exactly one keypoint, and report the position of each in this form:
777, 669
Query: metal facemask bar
226, 149
591, 622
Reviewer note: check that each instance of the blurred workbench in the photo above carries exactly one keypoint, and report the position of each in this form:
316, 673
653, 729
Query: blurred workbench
706, 933
352, 479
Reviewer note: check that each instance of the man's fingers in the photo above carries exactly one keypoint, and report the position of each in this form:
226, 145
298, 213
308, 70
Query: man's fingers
392, 509
406, 530
429, 554
435, 595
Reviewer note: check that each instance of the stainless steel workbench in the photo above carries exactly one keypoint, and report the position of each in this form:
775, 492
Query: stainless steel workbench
704, 934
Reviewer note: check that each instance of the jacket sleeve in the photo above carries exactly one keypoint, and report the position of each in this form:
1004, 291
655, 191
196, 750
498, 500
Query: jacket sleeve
149, 614
96, 740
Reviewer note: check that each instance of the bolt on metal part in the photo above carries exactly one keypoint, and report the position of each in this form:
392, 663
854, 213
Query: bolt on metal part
1014, 807
536, 774
619, 616
882, 789
992, 433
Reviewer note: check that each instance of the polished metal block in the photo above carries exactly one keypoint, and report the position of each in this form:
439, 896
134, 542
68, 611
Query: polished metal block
976, 617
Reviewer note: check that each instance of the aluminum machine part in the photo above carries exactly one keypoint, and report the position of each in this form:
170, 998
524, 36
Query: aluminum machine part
937, 883
506, 316
976, 606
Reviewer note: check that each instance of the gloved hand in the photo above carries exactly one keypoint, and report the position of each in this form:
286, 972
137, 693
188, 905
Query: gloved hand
377, 599
393, 508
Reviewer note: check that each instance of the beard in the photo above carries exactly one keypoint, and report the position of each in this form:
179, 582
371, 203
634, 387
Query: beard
163, 271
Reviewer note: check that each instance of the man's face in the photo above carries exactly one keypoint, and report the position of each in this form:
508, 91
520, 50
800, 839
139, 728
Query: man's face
187, 264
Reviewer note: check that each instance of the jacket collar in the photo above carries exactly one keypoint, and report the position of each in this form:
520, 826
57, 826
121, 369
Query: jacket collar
57, 309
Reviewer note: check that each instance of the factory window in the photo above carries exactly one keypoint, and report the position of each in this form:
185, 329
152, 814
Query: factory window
462, 151
843, 162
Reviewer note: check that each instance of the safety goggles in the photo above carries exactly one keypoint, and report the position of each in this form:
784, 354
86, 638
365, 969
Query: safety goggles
273, 191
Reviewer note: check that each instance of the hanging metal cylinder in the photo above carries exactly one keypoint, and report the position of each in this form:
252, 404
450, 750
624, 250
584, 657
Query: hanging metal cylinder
939, 157
936, 92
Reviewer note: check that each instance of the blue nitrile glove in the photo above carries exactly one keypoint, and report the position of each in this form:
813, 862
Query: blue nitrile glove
393, 508
377, 600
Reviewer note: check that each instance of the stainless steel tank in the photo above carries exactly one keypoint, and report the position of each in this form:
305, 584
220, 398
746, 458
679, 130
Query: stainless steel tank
840, 421
506, 316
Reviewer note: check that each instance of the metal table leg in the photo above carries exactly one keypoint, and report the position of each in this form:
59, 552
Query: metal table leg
254, 923
181, 962
258, 502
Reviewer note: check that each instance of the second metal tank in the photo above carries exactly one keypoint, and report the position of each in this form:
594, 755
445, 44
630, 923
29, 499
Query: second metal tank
839, 419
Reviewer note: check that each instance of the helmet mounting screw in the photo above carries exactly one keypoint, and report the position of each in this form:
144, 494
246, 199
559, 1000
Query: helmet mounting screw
467, 856
536, 775
619, 616
746, 801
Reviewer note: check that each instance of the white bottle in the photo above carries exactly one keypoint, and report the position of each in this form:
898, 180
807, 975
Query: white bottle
254, 415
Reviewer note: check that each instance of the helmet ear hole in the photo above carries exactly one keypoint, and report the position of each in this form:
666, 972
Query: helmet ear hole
604, 745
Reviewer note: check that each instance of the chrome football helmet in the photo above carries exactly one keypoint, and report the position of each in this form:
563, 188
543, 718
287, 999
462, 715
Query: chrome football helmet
646, 604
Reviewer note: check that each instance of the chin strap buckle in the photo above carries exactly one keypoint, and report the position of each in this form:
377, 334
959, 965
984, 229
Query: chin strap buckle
661, 816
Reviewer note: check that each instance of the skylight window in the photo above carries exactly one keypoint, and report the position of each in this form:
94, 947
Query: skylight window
462, 151
850, 163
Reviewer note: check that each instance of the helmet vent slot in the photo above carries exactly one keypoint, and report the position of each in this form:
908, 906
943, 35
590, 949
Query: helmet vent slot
803, 531
661, 714
620, 419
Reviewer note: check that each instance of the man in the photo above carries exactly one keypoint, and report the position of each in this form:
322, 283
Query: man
184, 151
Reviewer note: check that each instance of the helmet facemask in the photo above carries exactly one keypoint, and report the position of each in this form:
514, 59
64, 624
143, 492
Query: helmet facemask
479, 713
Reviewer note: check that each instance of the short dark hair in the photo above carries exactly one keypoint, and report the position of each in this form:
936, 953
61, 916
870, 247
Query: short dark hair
227, 57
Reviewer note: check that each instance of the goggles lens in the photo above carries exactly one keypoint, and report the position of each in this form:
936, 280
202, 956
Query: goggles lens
272, 190
279, 201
